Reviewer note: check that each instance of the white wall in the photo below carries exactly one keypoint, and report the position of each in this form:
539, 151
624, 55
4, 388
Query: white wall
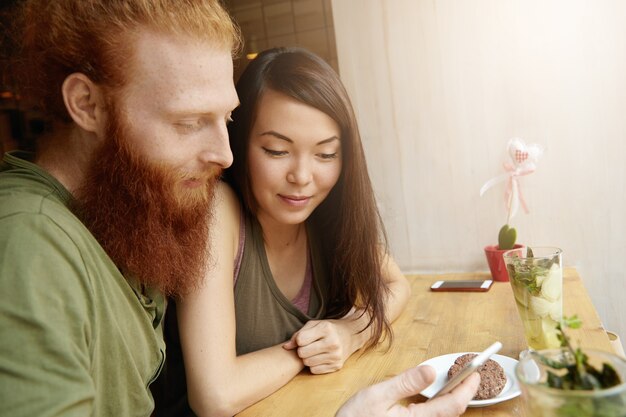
440, 86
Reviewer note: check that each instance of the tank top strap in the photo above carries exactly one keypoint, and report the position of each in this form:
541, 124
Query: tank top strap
242, 241
301, 300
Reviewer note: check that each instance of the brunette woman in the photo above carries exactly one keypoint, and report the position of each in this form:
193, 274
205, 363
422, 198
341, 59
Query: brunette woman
300, 275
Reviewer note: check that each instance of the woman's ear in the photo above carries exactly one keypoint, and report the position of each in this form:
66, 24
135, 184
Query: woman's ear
84, 101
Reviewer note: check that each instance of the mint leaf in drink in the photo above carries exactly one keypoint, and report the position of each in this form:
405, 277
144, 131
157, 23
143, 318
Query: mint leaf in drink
572, 322
579, 373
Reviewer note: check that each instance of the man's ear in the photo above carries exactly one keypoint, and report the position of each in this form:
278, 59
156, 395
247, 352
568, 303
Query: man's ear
84, 101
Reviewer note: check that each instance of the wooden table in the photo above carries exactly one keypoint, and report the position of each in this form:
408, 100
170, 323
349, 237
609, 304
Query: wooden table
434, 324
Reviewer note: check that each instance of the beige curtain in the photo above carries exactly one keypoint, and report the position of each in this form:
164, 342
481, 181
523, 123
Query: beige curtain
440, 86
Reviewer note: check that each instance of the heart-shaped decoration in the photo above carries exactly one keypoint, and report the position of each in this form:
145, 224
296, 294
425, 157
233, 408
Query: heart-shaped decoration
520, 156
524, 155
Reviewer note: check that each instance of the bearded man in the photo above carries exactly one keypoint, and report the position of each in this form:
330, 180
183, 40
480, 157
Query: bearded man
112, 212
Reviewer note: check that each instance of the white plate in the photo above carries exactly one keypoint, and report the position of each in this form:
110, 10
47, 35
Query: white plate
444, 362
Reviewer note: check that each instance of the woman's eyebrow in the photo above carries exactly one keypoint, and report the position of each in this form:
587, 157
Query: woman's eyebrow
276, 135
330, 139
287, 139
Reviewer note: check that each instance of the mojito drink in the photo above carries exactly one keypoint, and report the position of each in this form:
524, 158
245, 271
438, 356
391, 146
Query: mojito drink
536, 276
541, 398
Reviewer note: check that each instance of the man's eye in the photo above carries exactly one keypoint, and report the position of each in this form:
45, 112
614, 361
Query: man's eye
189, 126
273, 152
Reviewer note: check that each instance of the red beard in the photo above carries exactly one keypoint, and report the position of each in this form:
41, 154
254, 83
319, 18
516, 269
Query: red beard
151, 226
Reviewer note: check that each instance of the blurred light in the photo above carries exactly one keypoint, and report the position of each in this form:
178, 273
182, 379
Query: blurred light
6, 94
252, 47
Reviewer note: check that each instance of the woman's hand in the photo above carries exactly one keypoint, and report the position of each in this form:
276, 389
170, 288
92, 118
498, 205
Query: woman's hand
324, 345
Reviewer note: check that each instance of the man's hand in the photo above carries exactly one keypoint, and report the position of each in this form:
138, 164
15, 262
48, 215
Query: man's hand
380, 400
324, 345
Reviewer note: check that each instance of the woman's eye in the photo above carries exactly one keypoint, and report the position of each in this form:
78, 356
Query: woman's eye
328, 155
273, 152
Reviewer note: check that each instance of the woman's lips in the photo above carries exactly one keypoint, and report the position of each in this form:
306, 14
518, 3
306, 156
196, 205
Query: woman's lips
295, 201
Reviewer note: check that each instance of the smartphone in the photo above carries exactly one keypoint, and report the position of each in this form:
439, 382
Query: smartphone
471, 285
472, 366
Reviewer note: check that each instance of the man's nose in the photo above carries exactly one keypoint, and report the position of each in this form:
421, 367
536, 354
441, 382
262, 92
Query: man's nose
217, 151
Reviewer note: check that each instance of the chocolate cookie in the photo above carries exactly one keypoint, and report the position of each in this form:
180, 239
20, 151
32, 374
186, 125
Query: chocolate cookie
492, 376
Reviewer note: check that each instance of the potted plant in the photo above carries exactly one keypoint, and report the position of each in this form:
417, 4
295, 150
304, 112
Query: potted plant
523, 162
506, 241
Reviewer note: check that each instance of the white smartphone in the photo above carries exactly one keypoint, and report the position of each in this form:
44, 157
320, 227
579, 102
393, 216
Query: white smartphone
466, 285
472, 366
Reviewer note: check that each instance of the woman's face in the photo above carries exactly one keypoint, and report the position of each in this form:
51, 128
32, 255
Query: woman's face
294, 158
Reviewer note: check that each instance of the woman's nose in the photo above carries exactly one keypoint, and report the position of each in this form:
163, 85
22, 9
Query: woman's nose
300, 173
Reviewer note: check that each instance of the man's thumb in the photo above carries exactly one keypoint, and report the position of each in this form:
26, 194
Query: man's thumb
410, 382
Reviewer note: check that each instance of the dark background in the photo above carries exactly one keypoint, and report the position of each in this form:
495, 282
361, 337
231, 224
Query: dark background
264, 24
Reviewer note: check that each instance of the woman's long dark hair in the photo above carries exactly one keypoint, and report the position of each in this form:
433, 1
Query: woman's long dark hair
348, 222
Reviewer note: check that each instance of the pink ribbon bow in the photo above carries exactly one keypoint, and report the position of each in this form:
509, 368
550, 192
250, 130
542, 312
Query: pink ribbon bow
524, 159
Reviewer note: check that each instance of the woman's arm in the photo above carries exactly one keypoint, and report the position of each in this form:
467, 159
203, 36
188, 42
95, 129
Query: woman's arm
324, 345
219, 382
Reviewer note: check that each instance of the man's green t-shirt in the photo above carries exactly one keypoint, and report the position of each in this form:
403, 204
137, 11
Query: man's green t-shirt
76, 337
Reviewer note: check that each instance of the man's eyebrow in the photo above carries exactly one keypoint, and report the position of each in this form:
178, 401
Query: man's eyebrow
175, 111
287, 139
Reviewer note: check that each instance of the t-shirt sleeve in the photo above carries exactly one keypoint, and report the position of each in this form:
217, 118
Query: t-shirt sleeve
45, 321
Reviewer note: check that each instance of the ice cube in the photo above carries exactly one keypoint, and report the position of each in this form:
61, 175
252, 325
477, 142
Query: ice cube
540, 306
552, 285
556, 311
550, 337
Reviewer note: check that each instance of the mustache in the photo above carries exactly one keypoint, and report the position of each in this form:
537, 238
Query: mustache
211, 174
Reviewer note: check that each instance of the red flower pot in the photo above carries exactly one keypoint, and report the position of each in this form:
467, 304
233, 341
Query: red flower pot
496, 262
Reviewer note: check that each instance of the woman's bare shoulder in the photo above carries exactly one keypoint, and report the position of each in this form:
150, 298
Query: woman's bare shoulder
226, 215
226, 201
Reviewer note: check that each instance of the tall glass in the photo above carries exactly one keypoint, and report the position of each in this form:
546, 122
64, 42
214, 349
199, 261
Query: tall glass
537, 281
540, 400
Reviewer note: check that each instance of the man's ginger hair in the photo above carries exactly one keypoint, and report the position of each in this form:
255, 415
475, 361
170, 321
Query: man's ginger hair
95, 37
